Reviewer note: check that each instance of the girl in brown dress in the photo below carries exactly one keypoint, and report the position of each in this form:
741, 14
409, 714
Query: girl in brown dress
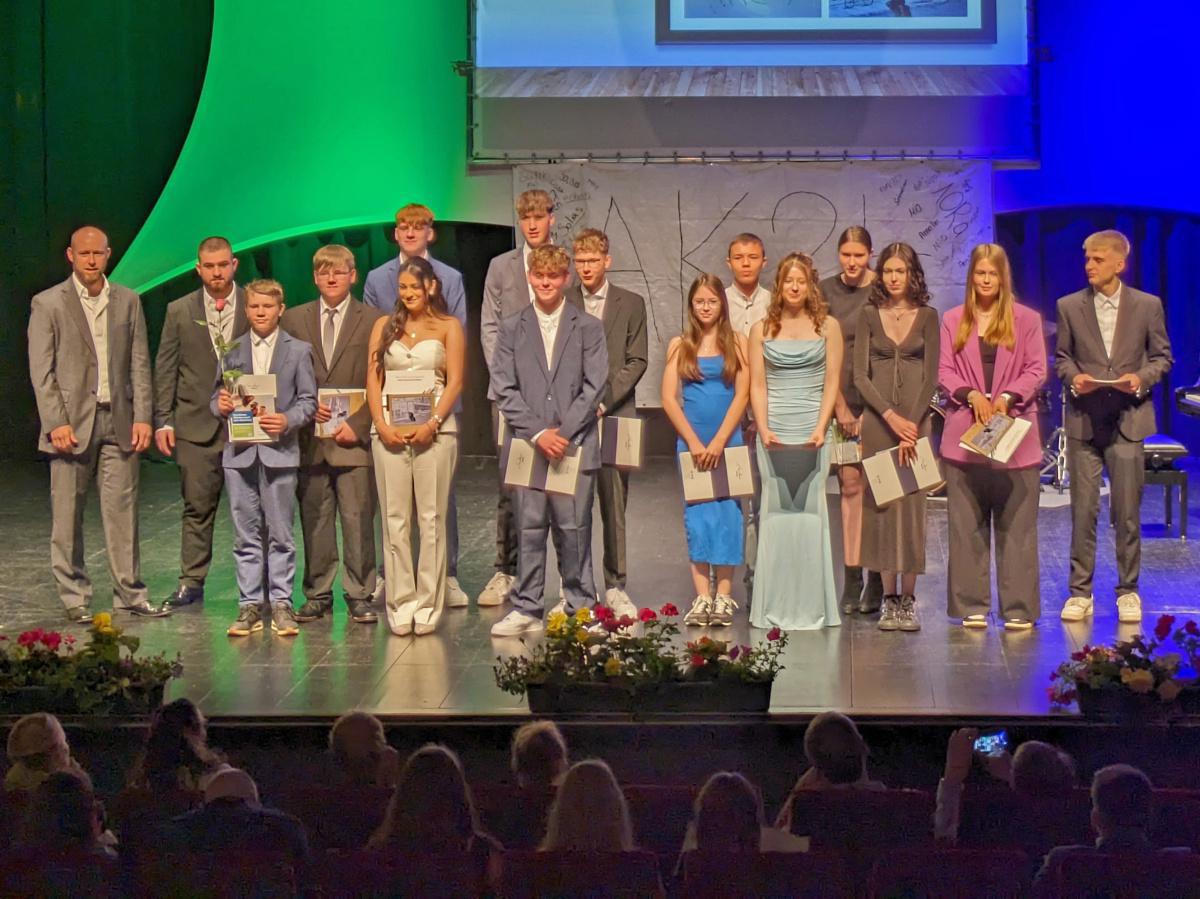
895, 371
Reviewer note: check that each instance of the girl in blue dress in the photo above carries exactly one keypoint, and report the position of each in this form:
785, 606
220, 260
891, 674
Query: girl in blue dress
706, 384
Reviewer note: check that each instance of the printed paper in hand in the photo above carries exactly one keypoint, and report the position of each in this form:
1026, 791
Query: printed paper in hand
621, 442
844, 449
409, 398
891, 481
524, 465
254, 397
997, 438
342, 404
733, 476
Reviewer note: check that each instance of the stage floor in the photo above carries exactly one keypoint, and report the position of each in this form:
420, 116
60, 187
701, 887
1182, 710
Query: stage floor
336, 665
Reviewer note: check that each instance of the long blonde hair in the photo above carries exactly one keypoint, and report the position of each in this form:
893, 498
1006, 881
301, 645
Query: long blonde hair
589, 812
1001, 330
689, 341
815, 306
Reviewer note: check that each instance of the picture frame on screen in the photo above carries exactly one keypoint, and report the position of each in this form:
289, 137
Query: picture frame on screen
822, 21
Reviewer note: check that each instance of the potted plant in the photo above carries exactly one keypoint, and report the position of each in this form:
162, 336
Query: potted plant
600, 663
1129, 679
44, 671
1187, 638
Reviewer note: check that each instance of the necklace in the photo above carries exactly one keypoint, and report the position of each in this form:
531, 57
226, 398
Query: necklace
898, 312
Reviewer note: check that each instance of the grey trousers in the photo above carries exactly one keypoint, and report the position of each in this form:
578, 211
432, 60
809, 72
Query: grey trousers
1125, 461
201, 479
506, 523
570, 518
612, 487
330, 495
983, 501
116, 474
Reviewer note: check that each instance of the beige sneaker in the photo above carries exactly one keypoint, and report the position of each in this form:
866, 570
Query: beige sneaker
456, 596
722, 610
1129, 608
975, 621
497, 590
1017, 624
697, 615
1076, 608
620, 603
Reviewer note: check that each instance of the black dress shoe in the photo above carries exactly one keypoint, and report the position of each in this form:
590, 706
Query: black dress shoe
361, 611
143, 609
184, 596
313, 609
79, 615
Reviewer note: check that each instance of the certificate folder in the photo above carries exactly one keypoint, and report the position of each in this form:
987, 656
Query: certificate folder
343, 403
733, 477
621, 442
253, 397
524, 465
997, 438
409, 398
890, 481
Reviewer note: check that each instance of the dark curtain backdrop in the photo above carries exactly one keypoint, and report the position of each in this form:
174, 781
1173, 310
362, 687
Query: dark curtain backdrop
95, 102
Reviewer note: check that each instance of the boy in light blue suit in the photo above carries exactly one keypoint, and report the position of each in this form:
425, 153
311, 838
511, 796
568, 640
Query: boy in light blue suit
261, 477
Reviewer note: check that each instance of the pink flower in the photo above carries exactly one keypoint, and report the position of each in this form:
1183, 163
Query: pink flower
734, 653
1162, 629
774, 634
70, 640
669, 610
646, 615
220, 304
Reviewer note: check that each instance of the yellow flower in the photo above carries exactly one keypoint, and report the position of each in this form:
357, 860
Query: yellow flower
584, 615
1168, 690
612, 667
556, 623
107, 631
581, 635
1138, 681
101, 620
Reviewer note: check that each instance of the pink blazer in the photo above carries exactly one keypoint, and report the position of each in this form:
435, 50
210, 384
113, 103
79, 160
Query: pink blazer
1021, 370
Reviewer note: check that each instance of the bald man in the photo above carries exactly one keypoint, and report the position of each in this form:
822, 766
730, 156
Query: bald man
90, 367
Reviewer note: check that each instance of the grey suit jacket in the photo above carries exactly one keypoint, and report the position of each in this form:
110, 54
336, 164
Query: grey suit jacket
1140, 345
186, 366
295, 397
348, 369
533, 397
62, 364
624, 323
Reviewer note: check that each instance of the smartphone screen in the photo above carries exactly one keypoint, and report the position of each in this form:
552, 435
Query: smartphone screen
995, 741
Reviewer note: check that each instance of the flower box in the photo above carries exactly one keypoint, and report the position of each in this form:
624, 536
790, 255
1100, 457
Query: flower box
722, 697
1122, 706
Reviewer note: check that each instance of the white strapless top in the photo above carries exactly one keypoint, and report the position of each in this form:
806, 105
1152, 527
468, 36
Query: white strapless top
424, 355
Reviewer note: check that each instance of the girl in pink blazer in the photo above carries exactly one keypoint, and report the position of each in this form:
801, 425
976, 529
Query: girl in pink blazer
993, 359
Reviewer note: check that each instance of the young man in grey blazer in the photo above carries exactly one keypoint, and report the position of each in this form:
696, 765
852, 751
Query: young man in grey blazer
623, 315
1112, 350
90, 367
335, 477
184, 370
549, 372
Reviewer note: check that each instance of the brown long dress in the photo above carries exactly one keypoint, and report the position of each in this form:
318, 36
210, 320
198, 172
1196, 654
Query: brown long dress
900, 376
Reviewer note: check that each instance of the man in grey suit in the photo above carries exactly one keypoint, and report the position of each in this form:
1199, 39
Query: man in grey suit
548, 393
507, 290
90, 367
196, 325
1112, 350
623, 314
335, 477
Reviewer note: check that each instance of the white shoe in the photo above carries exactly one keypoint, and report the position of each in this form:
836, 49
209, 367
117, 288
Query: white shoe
516, 623
620, 603
380, 591
497, 590
1017, 624
456, 596
1079, 607
697, 615
1129, 608
975, 621
560, 606
722, 610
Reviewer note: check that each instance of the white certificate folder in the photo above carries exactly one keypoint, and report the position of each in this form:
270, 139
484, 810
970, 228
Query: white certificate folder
733, 477
621, 442
891, 481
524, 465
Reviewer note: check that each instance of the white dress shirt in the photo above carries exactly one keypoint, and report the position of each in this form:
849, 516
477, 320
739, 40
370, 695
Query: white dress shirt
262, 349
548, 323
1106, 316
593, 303
745, 311
525, 260
95, 309
220, 322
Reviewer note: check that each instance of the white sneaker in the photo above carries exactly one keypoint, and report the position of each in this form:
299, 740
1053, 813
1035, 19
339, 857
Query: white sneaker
722, 610
516, 623
697, 615
456, 596
497, 590
380, 590
560, 606
1129, 608
620, 603
1079, 607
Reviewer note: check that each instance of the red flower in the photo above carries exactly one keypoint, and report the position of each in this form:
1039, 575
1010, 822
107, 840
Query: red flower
669, 610
604, 613
51, 640
774, 634
610, 624
70, 640
625, 621
704, 641
697, 661
3, 638
1078, 656
646, 615
1191, 628
1162, 630
29, 638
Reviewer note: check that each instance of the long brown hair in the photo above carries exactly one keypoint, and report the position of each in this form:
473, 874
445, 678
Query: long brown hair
815, 306
689, 341
589, 813
433, 292
431, 805
918, 293
1001, 330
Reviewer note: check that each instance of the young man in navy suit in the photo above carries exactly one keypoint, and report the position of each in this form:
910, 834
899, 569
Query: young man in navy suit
261, 477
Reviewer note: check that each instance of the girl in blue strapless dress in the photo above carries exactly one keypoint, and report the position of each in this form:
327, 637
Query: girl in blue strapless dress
706, 384
795, 360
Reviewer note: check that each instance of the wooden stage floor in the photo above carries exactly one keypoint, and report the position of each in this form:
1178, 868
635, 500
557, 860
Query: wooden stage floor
944, 671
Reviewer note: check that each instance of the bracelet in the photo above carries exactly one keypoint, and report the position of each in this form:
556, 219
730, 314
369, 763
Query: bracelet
437, 421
